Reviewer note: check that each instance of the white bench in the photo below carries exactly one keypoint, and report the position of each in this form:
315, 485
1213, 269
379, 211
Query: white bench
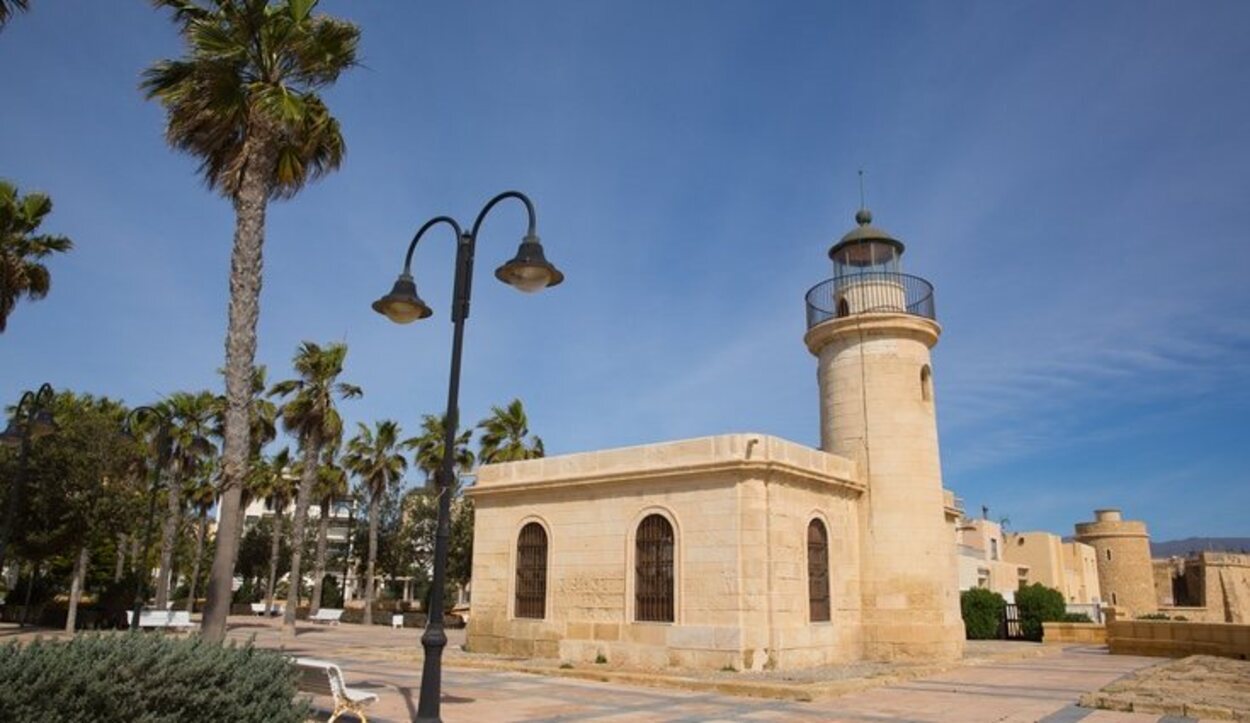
330, 616
166, 619
259, 609
397, 621
325, 678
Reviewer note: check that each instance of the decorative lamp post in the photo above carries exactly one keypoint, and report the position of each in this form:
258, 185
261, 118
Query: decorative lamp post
162, 459
528, 271
32, 419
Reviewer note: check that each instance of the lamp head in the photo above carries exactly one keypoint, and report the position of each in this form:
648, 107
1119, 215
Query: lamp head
11, 437
42, 425
529, 270
402, 305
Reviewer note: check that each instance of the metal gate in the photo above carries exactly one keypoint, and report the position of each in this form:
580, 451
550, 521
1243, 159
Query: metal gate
1011, 629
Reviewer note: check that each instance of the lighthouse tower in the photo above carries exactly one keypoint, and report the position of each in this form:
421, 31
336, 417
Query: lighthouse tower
871, 328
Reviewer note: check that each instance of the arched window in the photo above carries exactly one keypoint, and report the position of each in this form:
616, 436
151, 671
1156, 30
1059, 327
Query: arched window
926, 383
844, 309
653, 570
531, 572
818, 571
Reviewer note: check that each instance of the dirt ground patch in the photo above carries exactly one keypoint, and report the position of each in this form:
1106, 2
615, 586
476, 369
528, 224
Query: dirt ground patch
1200, 686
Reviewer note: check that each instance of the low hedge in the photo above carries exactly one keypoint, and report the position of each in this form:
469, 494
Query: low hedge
146, 679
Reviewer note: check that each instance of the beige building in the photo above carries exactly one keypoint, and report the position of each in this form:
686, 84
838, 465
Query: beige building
1069, 567
746, 550
1125, 573
1206, 586
982, 560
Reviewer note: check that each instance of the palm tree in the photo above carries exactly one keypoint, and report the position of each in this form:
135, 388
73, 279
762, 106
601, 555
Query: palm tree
310, 415
22, 251
504, 435
375, 458
200, 496
428, 448
331, 487
262, 429
274, 480
244, 100
190, 416
8, 8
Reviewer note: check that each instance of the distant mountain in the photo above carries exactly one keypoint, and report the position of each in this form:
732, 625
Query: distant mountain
1199, 544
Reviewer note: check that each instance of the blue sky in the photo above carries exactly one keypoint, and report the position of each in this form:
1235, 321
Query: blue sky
1071, 177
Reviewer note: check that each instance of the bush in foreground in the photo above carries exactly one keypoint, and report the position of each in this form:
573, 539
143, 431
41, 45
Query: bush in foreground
146, 678
982, 612
1039, 604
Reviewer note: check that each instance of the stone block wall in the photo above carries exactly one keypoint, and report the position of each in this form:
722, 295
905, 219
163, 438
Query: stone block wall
1171, 639
1074, 633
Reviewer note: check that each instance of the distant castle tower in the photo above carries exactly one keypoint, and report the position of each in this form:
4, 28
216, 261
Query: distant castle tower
871, 328
1125, 572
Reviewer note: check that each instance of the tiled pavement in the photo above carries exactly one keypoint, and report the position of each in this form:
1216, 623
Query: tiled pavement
1035, 689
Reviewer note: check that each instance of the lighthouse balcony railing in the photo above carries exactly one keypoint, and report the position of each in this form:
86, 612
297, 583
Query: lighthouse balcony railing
869, 292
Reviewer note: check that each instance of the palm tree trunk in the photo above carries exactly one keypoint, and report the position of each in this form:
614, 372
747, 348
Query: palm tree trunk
312, 453
275, 546
30, 588
374, 508
245, 279
75, 587
169, 532
323, 532
200, 531
121, 557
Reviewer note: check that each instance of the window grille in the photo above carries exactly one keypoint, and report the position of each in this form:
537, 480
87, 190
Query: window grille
653, 568
531, 572
818, 571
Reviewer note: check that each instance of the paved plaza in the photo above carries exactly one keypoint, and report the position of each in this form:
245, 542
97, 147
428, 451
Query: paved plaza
387, 662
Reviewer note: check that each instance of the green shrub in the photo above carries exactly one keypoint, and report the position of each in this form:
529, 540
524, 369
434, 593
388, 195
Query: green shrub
1039, 604
982, 612
146, 678
1153, 616
1076, 618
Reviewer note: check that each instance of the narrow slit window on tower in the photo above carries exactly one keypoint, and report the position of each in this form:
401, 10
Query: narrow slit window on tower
844, 309
653, 570
818, 571
926, 383
1108, 554
531, 572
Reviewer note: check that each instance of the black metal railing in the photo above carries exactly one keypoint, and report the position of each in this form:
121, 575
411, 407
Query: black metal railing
871, 292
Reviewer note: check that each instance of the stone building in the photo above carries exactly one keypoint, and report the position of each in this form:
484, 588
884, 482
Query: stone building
1069, 567
746, 550
1205, 586
1125, 573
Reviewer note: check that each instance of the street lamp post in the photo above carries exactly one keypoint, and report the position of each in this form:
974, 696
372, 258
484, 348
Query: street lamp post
32, 419
162, 458
528, 271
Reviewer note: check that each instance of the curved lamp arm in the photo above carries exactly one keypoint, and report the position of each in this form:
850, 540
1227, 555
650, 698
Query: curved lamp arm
30, 401
529, 209
412, 246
